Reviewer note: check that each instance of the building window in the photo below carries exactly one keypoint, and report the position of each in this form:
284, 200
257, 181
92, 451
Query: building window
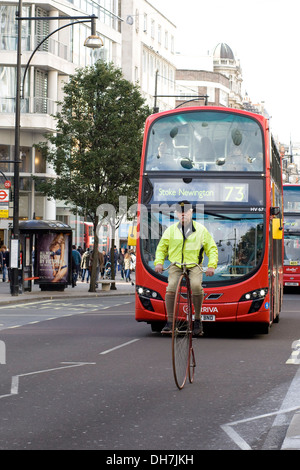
166, 39
137, 21
41, 92
39, 162
25, 157
41, 29
152, 29
151, 68
136, 74
145, 22
172, 45
159, 34
39, 206
8, 29
4, 155
23, 205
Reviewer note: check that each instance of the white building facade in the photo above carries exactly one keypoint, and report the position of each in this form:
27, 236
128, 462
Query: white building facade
136, 38
148, 52
49, 68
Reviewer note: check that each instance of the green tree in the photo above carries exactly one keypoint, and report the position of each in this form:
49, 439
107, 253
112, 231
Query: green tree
96, 149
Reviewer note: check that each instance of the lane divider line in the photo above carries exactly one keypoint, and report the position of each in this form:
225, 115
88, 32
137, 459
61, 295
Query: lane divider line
119, 346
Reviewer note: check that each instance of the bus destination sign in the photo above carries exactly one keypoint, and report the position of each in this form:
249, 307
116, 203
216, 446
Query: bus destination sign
201, 191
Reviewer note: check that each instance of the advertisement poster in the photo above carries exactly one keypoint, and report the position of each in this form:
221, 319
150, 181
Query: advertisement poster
52, 254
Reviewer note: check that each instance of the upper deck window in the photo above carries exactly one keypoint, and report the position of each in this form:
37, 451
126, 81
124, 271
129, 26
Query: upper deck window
291, 198
205, 141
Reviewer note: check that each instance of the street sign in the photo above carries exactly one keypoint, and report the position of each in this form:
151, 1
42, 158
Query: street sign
7, 184
4, 213
4, 195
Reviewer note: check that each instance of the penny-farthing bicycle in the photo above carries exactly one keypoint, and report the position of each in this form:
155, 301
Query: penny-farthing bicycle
183, 357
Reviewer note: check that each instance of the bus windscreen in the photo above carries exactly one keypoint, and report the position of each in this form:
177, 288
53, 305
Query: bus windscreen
238, 236
205, 141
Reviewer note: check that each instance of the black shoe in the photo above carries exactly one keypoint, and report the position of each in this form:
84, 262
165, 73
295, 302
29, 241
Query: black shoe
167, 329
197, 328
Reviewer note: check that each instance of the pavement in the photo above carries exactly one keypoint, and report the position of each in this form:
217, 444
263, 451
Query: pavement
81, 290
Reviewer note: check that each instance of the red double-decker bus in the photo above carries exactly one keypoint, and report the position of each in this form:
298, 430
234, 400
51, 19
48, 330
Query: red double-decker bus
225, 162
291, 261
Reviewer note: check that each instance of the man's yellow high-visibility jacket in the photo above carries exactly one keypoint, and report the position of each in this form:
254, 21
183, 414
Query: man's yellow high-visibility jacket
187, 250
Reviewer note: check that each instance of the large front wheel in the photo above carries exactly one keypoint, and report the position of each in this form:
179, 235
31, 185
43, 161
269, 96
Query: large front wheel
182, 332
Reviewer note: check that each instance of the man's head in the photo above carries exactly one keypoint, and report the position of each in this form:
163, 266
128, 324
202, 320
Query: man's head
184, 211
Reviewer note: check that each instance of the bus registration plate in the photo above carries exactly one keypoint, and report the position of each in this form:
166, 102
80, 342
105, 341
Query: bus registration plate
208, 317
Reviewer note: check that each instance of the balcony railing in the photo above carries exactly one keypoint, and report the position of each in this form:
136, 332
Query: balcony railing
36, 105
9, 43
53, 47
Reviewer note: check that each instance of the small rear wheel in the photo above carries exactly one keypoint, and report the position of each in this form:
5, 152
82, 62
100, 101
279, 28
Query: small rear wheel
192, 365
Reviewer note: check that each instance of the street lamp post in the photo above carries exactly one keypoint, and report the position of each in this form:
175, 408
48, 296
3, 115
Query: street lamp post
92, 41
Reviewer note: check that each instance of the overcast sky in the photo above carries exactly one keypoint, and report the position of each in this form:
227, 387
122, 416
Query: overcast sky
263, 34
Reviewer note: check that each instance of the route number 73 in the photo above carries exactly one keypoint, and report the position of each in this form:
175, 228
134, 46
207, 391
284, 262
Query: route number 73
235, 193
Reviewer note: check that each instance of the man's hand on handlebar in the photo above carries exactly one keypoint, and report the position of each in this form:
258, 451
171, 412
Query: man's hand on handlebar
159, 268
210, 272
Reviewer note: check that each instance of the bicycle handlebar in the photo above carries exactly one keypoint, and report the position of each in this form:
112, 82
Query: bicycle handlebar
184, 265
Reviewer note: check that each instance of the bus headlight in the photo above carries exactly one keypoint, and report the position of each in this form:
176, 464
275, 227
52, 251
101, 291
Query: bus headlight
146, 295
149, 293
257, 297
256, 294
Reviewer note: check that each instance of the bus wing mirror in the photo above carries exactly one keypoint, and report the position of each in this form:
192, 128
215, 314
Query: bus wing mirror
275, 210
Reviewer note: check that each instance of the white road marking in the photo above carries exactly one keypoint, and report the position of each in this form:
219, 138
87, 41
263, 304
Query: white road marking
120, 346
77, 310
295, 356
14, 390
290, 403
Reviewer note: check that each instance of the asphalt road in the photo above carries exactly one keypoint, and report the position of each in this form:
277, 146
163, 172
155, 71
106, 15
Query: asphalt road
83, 375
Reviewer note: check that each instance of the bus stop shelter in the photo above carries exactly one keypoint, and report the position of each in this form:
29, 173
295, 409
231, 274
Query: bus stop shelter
45, 255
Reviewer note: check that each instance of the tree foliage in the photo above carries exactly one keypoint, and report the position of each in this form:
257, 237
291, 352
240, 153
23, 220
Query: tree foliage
96, 149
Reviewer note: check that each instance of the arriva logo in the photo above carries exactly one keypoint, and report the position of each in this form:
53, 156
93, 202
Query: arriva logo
209, 309
2, 353
203, 310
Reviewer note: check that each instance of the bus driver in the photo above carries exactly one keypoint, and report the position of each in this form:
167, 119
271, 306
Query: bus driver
183, 242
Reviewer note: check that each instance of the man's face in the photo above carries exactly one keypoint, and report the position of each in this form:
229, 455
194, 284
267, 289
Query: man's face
185, 217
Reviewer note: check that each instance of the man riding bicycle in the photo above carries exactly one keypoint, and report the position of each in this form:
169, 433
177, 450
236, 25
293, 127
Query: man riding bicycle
184, 242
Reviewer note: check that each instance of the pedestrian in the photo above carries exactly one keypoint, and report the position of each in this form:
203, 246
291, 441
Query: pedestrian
1, 259
85, 264
76, 261
5, 265
80, 250
121, 261
116, 255
185, 241
127, 262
